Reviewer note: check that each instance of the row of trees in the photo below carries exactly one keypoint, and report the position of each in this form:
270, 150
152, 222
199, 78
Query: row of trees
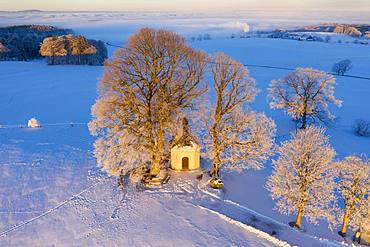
306, 180
144, 88
23, 42
69, 49
156, 78
58, 45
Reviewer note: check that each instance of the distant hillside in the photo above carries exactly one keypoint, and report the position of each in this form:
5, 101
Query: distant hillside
23, 11
22, 43
29, 11
355, 30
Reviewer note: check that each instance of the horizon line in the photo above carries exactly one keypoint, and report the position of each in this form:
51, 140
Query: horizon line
196, 11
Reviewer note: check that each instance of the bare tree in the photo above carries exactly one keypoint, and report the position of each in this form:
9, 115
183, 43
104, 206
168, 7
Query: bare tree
144, 87
342, 67
354, 187
303, 177
304, 94
235, 137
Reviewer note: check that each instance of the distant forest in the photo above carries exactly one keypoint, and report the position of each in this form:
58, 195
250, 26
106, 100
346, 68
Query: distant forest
69, 49
355, 30
23, 43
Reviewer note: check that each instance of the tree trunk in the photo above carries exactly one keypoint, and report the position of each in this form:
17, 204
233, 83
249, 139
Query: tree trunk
215, 172
298, 221
121, 181
155, 167
343, 231
305, 106
304, 121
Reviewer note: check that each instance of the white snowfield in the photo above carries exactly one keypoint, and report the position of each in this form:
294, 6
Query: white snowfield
183, 213
105, 216
53, 194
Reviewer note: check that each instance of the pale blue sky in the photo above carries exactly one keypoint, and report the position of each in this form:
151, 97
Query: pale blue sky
188, 5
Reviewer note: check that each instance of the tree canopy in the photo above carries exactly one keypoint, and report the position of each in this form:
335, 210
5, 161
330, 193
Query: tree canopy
144, 87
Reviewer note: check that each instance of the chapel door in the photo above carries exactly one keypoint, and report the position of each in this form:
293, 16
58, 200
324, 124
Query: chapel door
185, 163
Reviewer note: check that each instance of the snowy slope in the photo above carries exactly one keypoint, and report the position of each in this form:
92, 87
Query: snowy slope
102, 215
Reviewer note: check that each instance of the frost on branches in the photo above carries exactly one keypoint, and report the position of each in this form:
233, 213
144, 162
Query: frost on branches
304, 94
354, 187
302, 181
144, 88
69, 49
365, 221
342, 67
235, 137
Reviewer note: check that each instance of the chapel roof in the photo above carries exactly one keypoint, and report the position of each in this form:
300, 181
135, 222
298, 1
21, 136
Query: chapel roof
185, 139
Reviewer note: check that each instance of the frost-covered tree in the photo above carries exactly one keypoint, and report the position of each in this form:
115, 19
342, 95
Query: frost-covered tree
101, 53
342, 67
69, 49
145, 86
364, 220
53, 47
304, 94
80, 46
235, 137
302, 181
354, 187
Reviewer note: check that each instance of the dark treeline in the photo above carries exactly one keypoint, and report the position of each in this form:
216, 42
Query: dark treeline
59, 46
22, 43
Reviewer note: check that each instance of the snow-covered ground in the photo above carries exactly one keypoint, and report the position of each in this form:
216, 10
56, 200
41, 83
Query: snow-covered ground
52, 193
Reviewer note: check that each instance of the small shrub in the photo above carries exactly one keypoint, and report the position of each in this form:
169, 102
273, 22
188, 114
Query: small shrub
362, 127
33, 123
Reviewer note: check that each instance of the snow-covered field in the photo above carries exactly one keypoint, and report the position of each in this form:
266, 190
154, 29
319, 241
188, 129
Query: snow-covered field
52, 193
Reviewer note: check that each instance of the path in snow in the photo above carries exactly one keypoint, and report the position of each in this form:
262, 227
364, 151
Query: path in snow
41, 185
106, 216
